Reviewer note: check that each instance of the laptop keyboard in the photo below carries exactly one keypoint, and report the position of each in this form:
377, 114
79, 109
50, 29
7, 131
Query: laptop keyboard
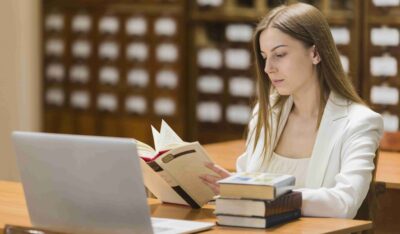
164, 225
158, 227
161, 229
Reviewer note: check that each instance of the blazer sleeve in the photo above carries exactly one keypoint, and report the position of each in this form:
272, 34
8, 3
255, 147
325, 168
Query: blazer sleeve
359, 144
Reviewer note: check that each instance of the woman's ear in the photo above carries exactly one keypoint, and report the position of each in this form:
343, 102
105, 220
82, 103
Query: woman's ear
315, 55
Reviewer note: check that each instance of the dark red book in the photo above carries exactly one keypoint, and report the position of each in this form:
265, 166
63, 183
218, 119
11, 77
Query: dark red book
259, 208
258, 222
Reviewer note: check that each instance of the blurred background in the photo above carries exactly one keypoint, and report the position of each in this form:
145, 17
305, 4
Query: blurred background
115, 67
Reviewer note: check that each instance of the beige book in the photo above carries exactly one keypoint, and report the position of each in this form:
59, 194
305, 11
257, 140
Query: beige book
171, 171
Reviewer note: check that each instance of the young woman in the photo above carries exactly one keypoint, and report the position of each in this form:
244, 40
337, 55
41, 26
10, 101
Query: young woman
308, 120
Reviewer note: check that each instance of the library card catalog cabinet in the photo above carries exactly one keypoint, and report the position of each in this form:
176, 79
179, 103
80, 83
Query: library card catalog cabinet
113, 68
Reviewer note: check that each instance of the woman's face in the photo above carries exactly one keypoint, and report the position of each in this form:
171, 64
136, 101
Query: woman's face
288, 63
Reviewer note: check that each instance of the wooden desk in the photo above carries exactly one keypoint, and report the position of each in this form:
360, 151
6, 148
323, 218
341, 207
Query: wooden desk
13, 210
226, 153
388, 169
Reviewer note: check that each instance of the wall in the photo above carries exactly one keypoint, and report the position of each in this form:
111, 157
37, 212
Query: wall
19, 76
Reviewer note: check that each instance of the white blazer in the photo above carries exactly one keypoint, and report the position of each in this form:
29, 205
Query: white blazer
341, 164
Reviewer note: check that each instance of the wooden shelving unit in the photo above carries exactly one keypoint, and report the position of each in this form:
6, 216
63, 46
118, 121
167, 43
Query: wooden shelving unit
381, 61
113, 68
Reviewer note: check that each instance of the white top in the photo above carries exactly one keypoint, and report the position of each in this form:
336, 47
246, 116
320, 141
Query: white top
291, 166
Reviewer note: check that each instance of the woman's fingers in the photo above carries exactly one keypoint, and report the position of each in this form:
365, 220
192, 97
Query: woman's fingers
213, 186
217, 169
210, 178
211, 182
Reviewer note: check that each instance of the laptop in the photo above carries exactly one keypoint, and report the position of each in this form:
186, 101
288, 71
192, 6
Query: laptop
88, 184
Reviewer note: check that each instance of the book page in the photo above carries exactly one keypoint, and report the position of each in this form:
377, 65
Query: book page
167, 138
156, 138
144, 150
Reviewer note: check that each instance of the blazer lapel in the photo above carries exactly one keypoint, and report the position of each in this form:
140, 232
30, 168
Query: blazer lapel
331, 126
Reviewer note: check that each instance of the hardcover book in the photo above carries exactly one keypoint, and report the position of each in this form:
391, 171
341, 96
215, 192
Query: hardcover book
171, 170
266, 186
260, 208
258, 222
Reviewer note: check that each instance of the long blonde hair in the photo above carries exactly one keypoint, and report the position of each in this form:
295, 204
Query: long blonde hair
307, 24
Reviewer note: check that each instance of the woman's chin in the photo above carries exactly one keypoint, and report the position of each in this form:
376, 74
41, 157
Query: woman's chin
283, 92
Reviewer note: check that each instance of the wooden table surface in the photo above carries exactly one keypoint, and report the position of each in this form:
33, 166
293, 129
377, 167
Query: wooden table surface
13, 210
388, 169
226, 153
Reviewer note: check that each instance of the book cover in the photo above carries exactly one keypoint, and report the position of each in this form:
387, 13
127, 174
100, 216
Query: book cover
258, 222
256, 185
171, 170
258, 208
258, 178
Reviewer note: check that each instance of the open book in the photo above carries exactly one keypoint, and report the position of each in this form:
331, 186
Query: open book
171, 170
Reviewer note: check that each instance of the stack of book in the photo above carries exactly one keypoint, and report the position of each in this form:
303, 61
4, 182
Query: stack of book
258, 200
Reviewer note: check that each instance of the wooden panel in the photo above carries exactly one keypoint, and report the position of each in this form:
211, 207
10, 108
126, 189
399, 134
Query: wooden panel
387, 219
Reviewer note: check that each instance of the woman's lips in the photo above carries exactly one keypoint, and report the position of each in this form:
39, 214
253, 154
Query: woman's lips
277, 82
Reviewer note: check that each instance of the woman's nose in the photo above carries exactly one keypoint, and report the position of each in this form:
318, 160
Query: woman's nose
269, 67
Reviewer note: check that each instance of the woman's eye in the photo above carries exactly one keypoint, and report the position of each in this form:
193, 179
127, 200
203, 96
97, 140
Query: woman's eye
280, 55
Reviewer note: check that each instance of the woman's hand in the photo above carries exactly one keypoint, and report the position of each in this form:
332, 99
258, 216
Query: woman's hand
211, 180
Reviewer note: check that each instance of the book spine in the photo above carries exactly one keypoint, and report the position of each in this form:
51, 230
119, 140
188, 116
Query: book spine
282, 218
175, 186
285, 203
